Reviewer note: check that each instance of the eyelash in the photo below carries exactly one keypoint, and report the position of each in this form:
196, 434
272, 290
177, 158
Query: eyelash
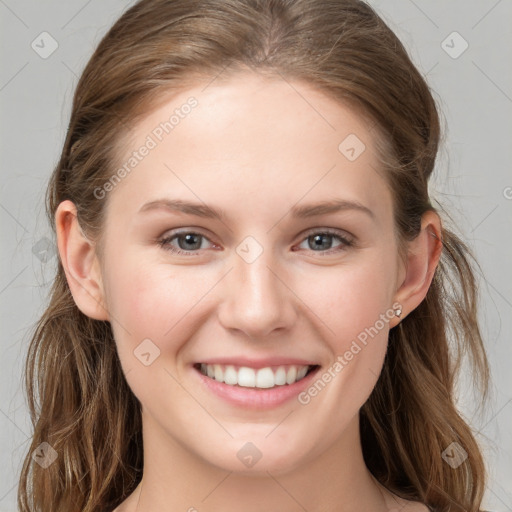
346, 242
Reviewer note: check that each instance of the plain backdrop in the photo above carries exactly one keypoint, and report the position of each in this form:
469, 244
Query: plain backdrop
463, 48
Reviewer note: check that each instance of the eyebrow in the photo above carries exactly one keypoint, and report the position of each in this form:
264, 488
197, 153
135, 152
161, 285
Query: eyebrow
302, 212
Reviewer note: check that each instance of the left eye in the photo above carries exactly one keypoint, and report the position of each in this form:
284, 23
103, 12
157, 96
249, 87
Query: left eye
189, 242
322, 241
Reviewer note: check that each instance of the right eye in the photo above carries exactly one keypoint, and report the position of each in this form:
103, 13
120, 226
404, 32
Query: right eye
184, 242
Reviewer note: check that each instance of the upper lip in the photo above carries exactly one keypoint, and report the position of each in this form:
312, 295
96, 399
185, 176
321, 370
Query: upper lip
257, 363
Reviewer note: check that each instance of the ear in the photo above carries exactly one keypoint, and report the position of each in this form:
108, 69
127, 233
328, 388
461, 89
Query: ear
422, 258
81, 265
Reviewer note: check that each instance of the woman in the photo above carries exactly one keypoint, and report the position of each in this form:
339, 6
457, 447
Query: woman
257, 307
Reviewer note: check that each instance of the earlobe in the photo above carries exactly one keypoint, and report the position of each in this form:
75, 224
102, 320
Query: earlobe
422, 259
80, 262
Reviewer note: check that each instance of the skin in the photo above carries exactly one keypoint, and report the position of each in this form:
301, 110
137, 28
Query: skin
253, 147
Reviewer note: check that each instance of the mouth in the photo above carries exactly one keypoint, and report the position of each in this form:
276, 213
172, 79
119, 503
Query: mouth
269, 377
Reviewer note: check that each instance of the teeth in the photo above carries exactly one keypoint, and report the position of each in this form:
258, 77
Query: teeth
230, 376
263, 378
280, 376
246, 377
302, 373
217, 372
291, 375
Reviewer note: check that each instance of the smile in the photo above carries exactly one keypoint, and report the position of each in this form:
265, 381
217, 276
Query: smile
260, 378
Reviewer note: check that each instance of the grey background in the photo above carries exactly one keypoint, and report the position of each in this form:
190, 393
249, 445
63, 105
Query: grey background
473, 182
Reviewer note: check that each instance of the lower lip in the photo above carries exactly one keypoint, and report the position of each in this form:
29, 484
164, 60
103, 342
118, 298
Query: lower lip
256, 398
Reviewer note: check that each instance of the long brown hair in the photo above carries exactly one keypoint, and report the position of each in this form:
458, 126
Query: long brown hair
79, 400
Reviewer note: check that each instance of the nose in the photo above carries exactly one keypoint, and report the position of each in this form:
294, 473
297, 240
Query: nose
258, 299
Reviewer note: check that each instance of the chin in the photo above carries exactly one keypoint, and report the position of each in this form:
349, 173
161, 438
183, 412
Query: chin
259, 456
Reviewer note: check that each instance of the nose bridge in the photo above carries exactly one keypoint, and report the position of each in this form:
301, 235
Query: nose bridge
257, 302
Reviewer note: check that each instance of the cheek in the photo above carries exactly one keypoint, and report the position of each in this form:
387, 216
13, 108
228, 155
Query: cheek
358, 313
149, 301
355, 304
352, 298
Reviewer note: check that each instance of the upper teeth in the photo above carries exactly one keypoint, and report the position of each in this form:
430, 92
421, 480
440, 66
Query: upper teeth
250, 378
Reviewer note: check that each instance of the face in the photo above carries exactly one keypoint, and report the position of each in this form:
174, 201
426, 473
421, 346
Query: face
250, 268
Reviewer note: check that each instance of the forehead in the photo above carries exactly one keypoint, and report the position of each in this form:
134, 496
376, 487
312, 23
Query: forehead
258, 138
